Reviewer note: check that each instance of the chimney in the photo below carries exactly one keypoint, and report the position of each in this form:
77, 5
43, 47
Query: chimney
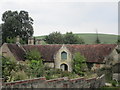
31, 41
38, 41
18, 39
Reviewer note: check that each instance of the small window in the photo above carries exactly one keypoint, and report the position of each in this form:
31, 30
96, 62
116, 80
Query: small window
63, 55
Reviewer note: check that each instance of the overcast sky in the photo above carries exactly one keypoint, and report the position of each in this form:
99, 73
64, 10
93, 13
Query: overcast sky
66, 16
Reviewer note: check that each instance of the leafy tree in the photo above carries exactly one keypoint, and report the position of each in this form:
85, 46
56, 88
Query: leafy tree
79, 64
70, 38
54, 38
35, 63
16, 23
58, 38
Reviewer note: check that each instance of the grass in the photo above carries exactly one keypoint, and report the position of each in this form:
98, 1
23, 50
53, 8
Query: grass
90, 38
110, 88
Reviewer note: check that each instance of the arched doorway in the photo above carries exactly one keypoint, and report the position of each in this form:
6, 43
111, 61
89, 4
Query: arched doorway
64, 67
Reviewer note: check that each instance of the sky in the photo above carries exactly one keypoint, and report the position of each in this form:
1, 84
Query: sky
77, 16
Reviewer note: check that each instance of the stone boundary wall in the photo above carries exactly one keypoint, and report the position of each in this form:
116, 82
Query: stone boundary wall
1, 80
57, 83
116, 76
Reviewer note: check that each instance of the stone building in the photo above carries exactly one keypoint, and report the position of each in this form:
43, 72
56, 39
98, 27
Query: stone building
61, 56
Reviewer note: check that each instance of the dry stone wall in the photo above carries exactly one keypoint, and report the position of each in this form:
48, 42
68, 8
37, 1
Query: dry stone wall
57, 83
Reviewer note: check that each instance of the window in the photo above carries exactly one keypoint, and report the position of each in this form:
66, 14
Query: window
63, 55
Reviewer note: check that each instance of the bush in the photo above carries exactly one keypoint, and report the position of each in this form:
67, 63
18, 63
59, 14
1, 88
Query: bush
113, 83
8, 66
79, 65
20, 75
36, 68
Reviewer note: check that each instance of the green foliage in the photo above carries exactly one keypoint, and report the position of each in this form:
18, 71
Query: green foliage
36, 68
118, 40
54, 38
70, 38
90, 38
35, 63
114, 83
79, 64
19, 75
33, 55
12, 70
7, 67
51, 73
13, 40
97, 41
16, 23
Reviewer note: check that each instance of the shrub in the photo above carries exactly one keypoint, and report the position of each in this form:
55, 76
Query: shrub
20, 75
113, 83
79, 65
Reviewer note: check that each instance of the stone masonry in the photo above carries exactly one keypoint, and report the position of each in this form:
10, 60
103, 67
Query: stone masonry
57, 83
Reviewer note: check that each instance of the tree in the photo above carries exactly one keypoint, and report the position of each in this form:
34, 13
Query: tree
35, 63
79, 64
54, 38
16, 23
97, 41
118, 40
70, 38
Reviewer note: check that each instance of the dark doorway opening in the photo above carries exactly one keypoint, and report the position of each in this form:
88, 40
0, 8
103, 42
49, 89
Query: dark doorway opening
64, 67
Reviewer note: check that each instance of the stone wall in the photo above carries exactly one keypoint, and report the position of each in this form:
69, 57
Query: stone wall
6, 52
57, 83
116, 76
59, 61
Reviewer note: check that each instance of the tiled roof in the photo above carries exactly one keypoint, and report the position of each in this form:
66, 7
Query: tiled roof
47, 51
17, 51
93, 53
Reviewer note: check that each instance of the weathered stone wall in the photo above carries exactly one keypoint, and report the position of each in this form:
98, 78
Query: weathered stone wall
59, 61
1, 81
49, 64
116, 76
57, 83
6, 52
